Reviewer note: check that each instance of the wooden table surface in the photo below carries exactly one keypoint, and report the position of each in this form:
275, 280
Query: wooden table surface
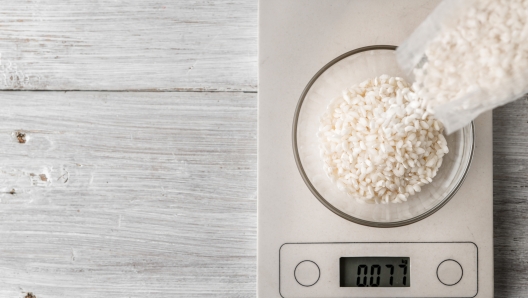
128, 152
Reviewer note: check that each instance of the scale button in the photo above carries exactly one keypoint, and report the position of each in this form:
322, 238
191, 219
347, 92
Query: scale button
449, 272
307, 273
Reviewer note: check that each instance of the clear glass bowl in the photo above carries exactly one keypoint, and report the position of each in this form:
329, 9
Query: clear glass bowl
328, 83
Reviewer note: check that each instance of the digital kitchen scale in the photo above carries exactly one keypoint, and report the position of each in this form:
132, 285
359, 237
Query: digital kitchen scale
308, 249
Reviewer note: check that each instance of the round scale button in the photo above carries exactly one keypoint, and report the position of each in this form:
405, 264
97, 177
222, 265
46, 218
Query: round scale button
449, 272
307, 273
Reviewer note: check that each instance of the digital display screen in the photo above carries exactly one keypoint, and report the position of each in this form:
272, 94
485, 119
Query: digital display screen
374, 272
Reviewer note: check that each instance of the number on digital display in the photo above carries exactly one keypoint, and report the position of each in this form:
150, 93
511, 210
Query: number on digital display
375, 269
374, 272
365, 272
404, 267
391, 267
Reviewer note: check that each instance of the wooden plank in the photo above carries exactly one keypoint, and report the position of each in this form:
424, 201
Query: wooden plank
510, 183
128, 194
128, 45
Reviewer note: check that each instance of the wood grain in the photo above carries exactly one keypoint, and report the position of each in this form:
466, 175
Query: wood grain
510, 195
119, 194
195, 45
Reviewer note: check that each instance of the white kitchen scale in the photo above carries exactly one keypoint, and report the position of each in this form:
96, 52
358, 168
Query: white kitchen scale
310, 242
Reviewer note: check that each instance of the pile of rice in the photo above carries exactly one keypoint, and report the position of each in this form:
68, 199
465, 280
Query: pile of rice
377, 142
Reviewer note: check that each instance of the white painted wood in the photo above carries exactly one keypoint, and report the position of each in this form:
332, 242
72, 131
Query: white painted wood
132, 45
118, 194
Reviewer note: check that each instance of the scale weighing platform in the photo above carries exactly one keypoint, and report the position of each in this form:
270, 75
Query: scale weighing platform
305, 249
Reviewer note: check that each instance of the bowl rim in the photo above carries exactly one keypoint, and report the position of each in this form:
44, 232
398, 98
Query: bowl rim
331, 207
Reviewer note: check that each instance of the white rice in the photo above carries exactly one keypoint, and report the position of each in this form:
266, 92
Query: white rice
483, 53
378, 144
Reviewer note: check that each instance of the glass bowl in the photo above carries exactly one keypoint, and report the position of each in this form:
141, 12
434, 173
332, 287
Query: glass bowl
328, 83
